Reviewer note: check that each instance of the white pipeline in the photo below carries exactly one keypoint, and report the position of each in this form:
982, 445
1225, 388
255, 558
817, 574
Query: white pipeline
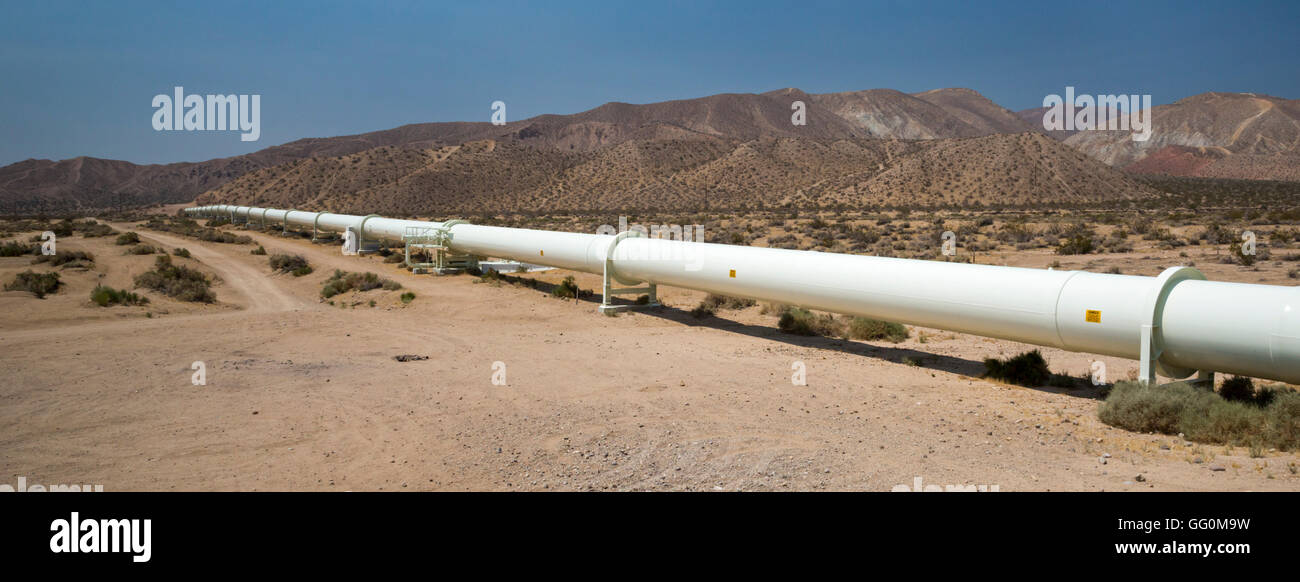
1176, 324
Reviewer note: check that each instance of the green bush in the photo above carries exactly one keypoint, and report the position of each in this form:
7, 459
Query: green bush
1203, 416
189, 227
1238, 389
260, 251
71, 258
176, 281
803, 322
343, 281
873, 329
408, 297
39, 284
142, 250
128, 238
726, 302
567, 289
1240, 255
296, 264
91, 229
1075, 245
105, 296
181, 252
1027, 369
17, 249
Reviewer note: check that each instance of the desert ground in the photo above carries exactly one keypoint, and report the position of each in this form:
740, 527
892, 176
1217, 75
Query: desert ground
304, 393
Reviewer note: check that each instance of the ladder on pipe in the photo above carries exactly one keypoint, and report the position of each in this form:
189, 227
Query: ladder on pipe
428, 239
434, 240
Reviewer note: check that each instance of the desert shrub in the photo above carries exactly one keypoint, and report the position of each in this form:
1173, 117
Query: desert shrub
104, 296
408, 297
17, 249
1282, 417
703, 310
259, 251
189, 227
803, 322
177, 282
142, 250
1075, 245
38, 284
343, 281
1241, 389
773, 308
128, 238
181, 252
90, 229
726, 302
394, 258
1241, 257
567, 289
874, 329
71, 258
1237, 389
1203, 416
296, 264
1027, 369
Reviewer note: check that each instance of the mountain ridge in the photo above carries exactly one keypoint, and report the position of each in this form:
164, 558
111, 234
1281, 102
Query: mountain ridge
723, 121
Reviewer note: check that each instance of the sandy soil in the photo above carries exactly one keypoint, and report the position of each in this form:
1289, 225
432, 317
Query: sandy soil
304, 395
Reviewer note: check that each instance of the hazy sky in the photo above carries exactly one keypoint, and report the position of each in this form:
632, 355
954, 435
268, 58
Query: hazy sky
79, 78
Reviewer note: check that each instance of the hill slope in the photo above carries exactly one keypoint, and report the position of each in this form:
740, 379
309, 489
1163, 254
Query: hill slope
1220, 135
735, 141
687, 174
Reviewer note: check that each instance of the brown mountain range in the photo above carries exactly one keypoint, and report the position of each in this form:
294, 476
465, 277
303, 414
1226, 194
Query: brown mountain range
687, 174
1216, 135
746, 140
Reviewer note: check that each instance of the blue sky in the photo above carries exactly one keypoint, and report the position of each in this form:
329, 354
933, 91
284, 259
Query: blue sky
79, 77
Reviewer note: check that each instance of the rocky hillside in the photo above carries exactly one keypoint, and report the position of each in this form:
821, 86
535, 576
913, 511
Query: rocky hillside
1218, 135
686, 174
728, 149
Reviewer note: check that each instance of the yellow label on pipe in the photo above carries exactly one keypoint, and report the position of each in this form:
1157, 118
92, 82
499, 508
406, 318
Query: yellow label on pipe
1092, 316
733, 274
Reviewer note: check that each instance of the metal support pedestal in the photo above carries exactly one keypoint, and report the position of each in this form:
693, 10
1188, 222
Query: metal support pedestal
1149, 364
608, 291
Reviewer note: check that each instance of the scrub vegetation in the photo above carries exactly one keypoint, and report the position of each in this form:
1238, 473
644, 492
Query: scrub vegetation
38, 284
104, 296
1268, 418
296, 265
1027, 369
177, 282
344, 281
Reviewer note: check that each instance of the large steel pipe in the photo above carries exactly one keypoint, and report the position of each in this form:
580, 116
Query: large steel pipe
1175, 324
